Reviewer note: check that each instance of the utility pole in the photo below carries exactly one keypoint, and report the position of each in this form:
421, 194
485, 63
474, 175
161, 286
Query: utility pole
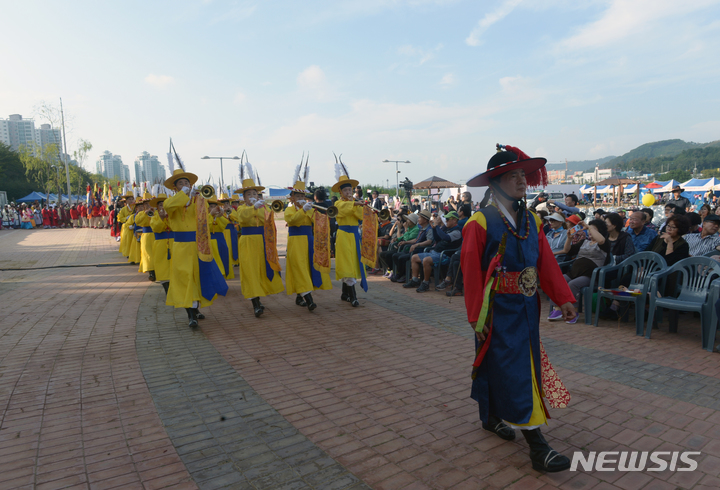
67, 168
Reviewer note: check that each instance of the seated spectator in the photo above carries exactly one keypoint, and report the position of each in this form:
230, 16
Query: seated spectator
570, 206
621, 245
599, 213
669, 210
415, 205
384, 235
704, 211
671, 244
423, 240
557, 234
464, 211
640, 234
591, 253
401, 244
695, 222
649, 215
453, 282
571, 221
707, 240
447, 237
545, 226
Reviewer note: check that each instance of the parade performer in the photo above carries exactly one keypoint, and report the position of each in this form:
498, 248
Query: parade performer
232, 228
348, 266
162, 246
259, 265
229, 234
126, 232
302, 277
135, 253
195, 278
504, 256
220, 250
147, 239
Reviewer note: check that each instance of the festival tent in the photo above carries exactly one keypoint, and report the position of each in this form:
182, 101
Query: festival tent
697, 185
278, 192
32, 197
667, 187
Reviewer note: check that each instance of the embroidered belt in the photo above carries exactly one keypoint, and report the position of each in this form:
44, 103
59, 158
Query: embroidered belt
524, 282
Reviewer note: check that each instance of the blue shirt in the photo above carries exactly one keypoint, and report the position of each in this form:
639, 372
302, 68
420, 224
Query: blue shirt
643, 239
556, 239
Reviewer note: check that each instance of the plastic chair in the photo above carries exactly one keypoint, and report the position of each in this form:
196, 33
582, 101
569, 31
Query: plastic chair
641, 268
694, 278
437, 268
709, 333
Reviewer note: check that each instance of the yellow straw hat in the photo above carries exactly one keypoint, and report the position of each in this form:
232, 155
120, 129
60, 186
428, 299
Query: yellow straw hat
178, 174
344, 181
158, 199
247, 185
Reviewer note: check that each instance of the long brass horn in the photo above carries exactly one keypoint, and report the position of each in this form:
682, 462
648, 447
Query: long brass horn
277, 206
207, 191
331, 211
150, 213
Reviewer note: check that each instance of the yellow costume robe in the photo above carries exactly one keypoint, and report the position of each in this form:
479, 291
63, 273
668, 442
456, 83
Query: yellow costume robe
147, 241
232, 221
347, 256
185, 272
253, 271
162, 248
125, 231
216, 233
134, 256
298, 279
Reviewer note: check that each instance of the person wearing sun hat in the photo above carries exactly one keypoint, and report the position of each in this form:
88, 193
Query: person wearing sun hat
348, 267
301, 276
135, 256
220, 249
147, 238
259, 272
556, 235
162, 246
195, 278
126, 232
230, 231
504, 259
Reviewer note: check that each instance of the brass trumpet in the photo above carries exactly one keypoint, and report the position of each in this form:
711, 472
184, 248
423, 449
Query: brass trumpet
331, 211
382, 214
228, 212
150, 213
277, 206
207, 191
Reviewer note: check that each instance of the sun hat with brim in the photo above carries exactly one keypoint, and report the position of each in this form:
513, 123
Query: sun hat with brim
413, 217
178, 174
249, 185
451, 215
557, 217
298, 187
425, 214
154, 202
224, 198
344, 181
712, 217
507, 159
677, 188
574, 219
234, 198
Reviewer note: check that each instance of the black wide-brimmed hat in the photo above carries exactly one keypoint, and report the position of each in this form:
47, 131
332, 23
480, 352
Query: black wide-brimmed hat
507, 159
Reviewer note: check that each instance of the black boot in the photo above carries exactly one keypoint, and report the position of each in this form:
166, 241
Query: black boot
345, 296
309, 301
353, 297
499, 427
262, 306
257, 307
300, 301
198, 315
543, 457
151, 276
192, 317
166, 286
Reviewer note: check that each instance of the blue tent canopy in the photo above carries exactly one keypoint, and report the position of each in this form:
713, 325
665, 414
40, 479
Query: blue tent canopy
278, 192
32, 197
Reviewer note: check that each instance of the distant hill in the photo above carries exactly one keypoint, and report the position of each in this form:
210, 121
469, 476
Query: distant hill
666, 148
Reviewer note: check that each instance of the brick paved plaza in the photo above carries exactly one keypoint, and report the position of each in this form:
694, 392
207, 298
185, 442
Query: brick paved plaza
103, 386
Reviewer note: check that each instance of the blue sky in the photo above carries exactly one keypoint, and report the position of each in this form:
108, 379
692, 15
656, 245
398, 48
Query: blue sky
436, 82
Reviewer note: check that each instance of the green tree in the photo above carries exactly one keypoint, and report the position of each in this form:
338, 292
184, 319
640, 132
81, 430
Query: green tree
38, 165
12, 174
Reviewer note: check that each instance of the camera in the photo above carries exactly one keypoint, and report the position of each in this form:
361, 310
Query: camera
407, 186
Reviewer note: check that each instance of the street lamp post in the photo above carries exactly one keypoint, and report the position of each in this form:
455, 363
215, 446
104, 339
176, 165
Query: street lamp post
57, 171
397, 172
222, 176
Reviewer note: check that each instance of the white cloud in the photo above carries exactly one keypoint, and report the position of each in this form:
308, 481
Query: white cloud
625, 18
447, 80
311, 77
491, 18
239, 98
159, 81
423, 55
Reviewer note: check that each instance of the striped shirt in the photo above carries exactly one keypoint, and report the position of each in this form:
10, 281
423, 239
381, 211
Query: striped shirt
700, 246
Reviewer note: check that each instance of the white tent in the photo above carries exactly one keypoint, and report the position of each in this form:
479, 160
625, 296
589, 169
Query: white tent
700, 185
667, 187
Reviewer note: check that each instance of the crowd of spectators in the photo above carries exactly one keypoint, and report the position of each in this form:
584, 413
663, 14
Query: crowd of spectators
50, 216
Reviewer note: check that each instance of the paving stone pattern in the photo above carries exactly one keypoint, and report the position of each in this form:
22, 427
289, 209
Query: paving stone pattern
674, 383
224, 432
